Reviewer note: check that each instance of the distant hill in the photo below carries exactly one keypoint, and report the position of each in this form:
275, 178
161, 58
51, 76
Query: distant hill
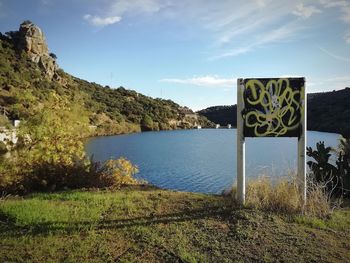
222, 115
29, 72
330, 112
327, 112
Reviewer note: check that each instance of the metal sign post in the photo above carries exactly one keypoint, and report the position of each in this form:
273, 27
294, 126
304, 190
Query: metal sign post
302, 148
274, 107
240, 144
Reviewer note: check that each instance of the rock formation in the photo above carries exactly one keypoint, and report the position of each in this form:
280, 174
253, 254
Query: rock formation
32, 40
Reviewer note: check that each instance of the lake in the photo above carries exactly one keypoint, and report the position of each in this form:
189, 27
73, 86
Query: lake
201, 160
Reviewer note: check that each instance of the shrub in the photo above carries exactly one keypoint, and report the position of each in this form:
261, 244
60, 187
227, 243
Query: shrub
283, 196
112, 173
318, 199
336, 178
147, 123
16, 177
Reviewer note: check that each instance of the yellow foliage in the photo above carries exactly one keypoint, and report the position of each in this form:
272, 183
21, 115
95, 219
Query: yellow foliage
55, 133
118, 172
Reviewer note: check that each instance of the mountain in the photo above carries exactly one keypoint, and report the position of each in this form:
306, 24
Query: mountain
330, 112
326, 112
222, 115
29, 73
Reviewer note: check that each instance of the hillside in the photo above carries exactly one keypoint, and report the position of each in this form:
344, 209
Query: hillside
330, 112
29, 73
222, 115
327, 112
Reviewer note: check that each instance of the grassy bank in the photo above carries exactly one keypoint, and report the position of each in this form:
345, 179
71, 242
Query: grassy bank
144, 224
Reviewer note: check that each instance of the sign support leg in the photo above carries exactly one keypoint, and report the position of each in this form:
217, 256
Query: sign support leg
302, 148
240, 145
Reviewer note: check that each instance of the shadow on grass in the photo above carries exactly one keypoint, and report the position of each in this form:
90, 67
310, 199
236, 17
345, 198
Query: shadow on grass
96, 190
8, 227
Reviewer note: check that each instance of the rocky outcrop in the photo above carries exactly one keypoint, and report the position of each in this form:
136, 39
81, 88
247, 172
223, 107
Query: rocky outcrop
32, 40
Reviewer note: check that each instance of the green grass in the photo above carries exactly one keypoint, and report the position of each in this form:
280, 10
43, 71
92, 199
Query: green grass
145, 224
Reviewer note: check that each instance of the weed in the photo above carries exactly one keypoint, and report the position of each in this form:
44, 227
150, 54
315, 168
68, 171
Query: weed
283, 196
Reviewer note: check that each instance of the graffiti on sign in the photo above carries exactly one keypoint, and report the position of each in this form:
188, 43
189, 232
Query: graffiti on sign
273, 107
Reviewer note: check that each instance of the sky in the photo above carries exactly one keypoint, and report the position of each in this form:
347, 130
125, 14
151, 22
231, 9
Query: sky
192, 52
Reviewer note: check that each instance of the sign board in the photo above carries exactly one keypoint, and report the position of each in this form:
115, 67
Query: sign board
270, 107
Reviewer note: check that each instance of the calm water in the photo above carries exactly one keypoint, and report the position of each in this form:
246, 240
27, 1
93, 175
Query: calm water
201, 160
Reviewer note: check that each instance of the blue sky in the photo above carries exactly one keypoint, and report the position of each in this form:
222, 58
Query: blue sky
192, 51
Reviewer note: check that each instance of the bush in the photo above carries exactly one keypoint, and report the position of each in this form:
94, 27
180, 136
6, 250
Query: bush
16, 177
336, 178
318, 199
147, 123
283, 196
112, 173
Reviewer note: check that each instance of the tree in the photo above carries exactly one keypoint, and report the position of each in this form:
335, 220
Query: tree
53, 55
12, 34
50, 153
147, 123
27, 22
54, 133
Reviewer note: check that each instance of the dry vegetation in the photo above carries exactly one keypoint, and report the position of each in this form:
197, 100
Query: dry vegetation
283, 196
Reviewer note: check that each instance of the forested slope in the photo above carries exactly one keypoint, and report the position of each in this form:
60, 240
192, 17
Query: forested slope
29, 73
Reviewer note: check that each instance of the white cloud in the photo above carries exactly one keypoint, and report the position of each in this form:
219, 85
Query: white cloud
136, 6
102, 21
283, 33
347, 39
253, 24
334, 3
247, 19
346, 14
329, 83
305, 11
344, 7
335, 56
204, 81
233, 52
338, 79
115, 10
261, 3
235, 27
